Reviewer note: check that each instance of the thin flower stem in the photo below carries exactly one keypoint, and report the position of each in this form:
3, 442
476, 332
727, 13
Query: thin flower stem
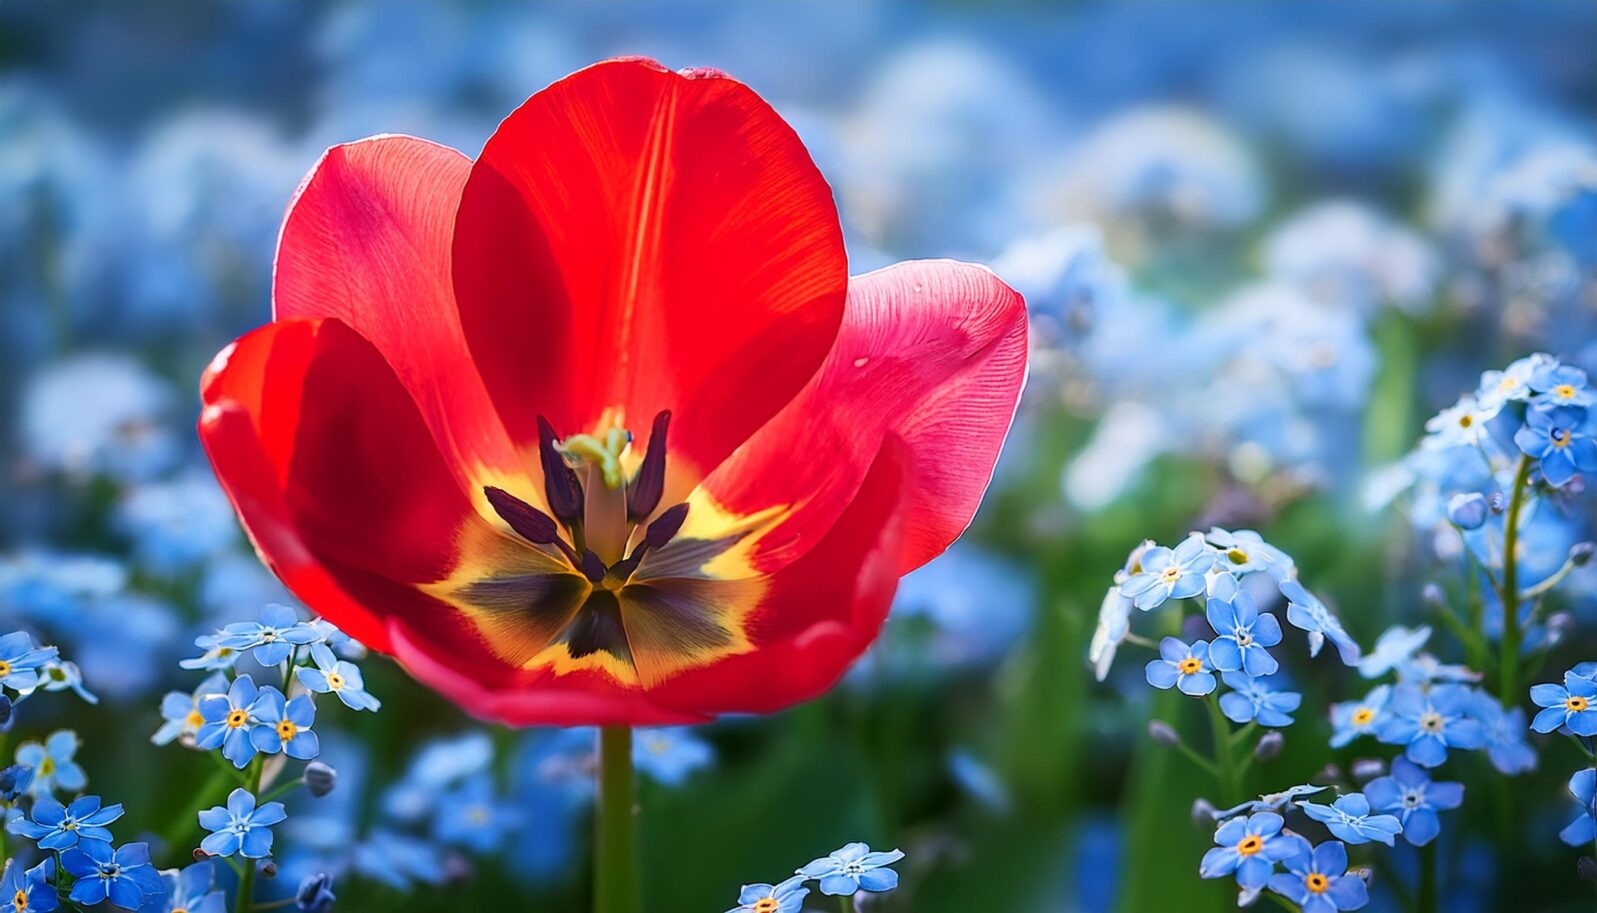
1427, 894
846, 902
282, 788
1508, 657
1201, 762
246, 878
616, 886
1282, 902
1224, 758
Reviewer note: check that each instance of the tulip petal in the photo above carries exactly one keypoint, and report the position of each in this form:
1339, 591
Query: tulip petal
820, 612
367, 240
638, 240
933, 352
302, 422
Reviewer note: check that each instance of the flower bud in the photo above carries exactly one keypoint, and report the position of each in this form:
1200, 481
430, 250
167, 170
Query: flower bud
1559, 626
14, 780
1580, 553
5, 713
1366, 769
1434, 595
1497, 502
1269, 747
1203, 812
320, 778
1163, 733
1330, 773
315, 894
1586, 868
1467, 511
268, 869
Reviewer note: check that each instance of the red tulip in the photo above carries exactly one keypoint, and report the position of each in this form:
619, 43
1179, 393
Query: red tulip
430, 442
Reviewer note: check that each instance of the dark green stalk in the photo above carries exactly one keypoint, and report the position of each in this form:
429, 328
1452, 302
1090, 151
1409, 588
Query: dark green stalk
616, 884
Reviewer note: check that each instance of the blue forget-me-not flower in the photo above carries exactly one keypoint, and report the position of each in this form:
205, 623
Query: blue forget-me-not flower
852, 869
1183, 667
1409, 793
1350, 819
242, 827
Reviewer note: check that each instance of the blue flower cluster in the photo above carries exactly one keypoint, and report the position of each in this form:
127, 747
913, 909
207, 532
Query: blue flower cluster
1223, 568
845, 872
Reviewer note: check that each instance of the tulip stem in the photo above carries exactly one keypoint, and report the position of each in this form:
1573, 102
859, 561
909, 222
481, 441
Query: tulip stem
616, 886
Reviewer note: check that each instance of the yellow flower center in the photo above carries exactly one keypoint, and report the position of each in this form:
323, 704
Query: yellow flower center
1316, 883
236, 718
1190, 666
1362, 716
1575, 703
766, 905
5, 668
1466, 420
1237, 555
286, 729
1561, 438
47, 766
194, 720
335, 681
19, 900
1170, 574
1250, 844
1431, 722
1507, 384
1564, 391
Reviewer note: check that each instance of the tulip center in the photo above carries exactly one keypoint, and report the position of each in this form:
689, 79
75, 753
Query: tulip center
589, 598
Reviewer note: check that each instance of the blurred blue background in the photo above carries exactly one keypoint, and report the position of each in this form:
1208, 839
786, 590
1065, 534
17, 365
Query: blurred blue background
1261, 243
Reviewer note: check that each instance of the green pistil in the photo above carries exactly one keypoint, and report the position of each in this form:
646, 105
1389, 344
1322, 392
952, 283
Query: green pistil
604, 453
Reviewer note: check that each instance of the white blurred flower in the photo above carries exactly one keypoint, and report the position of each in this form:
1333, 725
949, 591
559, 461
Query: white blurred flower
1343, 251
98, 413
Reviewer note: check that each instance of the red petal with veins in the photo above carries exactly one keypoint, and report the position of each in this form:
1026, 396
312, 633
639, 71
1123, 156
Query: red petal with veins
367, 240
333, 471
822, 611
646, 240
931, 351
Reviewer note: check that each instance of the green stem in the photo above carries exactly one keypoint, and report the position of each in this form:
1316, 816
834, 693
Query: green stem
246, 878
846, 903
277, 791
1508, 656
1225, 762
616, 887
1427, 894
1283, 903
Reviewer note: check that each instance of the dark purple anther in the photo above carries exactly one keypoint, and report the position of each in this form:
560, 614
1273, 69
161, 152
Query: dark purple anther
643, 494
593, 566
529, 522
559, 481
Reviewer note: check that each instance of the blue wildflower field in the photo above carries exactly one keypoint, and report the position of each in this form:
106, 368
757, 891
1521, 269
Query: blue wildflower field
1281, 595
